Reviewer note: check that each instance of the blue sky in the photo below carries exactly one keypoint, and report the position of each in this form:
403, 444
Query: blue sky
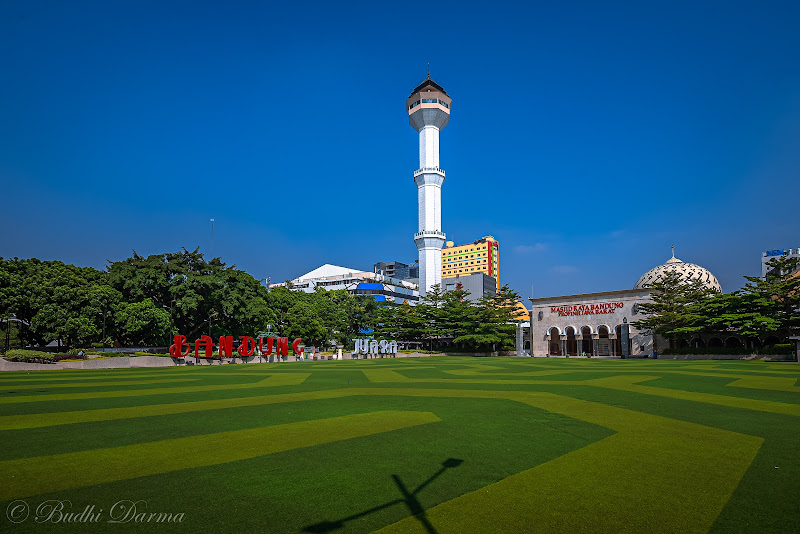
587, 137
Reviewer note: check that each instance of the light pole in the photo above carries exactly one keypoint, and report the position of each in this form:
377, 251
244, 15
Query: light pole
11, 317
171, 326
210, 315
625, 334
212, 240
8, 332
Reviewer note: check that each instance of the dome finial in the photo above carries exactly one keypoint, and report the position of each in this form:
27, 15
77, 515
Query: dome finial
673, 252
429, 69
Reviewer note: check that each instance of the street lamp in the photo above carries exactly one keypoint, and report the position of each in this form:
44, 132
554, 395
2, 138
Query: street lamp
11, 317
8, 332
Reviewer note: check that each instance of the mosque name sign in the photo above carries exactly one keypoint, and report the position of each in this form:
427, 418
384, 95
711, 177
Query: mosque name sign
280, 345
587, 309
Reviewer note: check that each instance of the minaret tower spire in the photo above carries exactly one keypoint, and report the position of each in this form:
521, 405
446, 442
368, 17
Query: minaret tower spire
428, 112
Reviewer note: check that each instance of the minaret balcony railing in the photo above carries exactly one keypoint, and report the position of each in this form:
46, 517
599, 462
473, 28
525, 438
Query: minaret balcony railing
430, 233
423, 170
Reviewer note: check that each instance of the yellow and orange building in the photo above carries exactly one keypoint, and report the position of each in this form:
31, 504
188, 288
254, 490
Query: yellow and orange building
481, 256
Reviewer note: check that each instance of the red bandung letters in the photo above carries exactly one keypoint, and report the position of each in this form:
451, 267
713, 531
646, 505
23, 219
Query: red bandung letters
176, 350
246, 348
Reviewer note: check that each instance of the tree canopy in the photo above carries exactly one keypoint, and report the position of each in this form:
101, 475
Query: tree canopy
763, 307
143, 301
450, 316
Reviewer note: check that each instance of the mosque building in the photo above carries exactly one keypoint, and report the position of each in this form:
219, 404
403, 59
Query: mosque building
599, 324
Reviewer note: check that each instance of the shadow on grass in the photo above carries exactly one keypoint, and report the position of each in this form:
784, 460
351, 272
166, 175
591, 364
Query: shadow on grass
409, 498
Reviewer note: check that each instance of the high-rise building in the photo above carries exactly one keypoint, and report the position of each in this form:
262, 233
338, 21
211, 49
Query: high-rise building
481, 256
413, 271
770, 255
478, 285
428, 112
393, 269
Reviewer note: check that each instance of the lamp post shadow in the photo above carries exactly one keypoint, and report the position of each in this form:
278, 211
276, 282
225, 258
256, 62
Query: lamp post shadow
409, 498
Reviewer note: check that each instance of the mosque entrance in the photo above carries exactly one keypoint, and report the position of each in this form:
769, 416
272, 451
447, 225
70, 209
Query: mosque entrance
586, 342
554, 345
571, 342
603, 343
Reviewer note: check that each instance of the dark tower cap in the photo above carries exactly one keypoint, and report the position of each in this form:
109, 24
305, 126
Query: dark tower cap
428, 84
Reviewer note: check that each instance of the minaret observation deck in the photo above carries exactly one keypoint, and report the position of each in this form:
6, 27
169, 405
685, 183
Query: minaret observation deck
428, 112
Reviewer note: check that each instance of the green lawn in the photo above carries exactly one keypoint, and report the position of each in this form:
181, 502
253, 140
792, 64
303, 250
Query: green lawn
436, 444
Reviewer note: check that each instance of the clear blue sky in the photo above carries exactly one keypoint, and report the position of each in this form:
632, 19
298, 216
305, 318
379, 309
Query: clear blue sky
587, 137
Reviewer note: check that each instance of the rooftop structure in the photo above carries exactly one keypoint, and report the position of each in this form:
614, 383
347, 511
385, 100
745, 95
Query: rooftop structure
332, 277
478, 285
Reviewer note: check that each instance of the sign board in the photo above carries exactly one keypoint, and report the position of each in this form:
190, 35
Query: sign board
373, 346
587, 309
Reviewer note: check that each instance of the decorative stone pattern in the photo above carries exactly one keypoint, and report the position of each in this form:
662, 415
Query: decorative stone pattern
687, 271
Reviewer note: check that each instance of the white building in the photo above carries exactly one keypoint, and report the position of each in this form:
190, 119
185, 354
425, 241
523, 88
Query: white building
331, 277
428, 112
590, 323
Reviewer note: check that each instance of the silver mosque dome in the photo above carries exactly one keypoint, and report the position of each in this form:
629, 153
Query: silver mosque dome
688, 271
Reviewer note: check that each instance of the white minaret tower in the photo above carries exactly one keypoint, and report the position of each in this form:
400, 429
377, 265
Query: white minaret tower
428, 112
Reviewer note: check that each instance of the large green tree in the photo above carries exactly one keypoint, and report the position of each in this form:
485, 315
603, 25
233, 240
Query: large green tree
142, 323
201, 296
444, 315
55, 301
303, 322
402, 323
675, 308
763, 307
494, 325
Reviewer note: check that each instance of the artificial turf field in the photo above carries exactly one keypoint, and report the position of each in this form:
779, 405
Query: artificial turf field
436, 444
